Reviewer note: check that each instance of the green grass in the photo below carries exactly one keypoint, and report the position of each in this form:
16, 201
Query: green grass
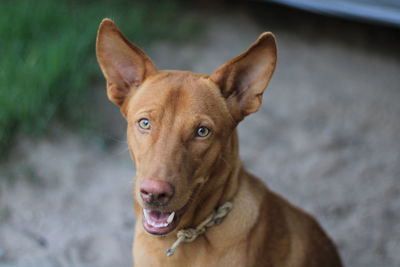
47, 55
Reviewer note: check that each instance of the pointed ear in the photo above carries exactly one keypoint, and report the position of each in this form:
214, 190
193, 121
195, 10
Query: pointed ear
242, 80
123, 64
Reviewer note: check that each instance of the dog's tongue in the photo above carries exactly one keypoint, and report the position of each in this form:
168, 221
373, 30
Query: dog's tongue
159, 217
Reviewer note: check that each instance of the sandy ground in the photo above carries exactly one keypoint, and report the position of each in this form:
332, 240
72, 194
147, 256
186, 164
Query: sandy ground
327, 138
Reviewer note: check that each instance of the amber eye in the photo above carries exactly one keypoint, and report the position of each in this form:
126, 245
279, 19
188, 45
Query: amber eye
144, 124
202, 131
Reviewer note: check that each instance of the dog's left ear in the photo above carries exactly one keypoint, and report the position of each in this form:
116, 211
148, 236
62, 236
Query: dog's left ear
243, 79
124, 65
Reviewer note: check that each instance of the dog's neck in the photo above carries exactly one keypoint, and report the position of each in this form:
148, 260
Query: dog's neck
222, 184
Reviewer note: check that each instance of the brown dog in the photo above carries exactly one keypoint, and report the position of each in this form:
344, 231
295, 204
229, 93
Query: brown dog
182, 137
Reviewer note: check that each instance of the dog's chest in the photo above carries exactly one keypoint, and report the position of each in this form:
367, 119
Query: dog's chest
196, 254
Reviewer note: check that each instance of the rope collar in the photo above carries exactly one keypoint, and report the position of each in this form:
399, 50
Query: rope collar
190, 234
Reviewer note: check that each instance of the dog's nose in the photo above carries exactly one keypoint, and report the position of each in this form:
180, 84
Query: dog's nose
156, 192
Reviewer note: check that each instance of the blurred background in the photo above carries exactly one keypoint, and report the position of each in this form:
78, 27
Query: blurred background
327, 137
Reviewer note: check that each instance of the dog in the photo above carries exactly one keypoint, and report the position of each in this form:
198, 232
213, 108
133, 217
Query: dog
195, 204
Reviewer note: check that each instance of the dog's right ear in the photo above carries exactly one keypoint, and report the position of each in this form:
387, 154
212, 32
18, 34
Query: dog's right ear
243, 79
124, 65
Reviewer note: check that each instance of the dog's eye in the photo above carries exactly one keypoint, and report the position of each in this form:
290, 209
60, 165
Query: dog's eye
144, 124
202, 131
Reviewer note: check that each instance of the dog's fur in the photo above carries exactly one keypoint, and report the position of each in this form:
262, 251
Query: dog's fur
262, 229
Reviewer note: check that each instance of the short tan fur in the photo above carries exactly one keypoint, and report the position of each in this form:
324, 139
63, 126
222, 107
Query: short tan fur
263, 229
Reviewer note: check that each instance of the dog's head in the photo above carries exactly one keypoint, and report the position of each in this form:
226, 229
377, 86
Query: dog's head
178, 122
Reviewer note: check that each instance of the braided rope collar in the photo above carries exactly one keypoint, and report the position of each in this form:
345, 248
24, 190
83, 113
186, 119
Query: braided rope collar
190, 234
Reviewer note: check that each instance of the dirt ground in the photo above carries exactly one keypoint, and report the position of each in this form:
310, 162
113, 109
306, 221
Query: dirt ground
327, 138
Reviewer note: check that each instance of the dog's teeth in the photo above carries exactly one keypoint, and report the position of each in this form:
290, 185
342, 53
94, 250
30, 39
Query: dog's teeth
170, 218
158, 225
146, 215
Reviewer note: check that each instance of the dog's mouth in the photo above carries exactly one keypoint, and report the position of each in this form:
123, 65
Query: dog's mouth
161, 223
